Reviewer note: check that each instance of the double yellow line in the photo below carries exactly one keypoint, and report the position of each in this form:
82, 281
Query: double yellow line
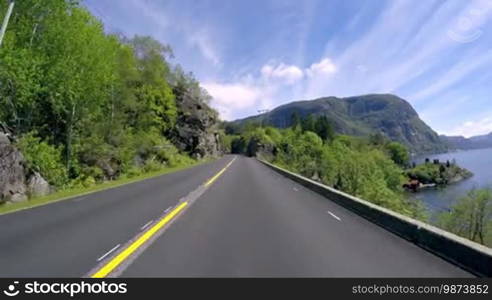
110, 266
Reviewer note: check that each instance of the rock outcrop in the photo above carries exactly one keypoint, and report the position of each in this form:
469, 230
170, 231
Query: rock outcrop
12, 172
17, 182
196, 130
257, 148
37, 186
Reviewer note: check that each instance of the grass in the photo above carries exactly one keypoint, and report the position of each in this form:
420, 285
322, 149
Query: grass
77, 192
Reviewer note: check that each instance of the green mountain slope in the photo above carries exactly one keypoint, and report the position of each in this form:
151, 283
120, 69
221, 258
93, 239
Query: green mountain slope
361, 116
462, 143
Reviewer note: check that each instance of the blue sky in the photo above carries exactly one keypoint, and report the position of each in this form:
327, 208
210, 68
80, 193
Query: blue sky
258, 54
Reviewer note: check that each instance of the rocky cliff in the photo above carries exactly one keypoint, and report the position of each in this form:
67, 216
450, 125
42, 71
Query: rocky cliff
196, 129
362, 116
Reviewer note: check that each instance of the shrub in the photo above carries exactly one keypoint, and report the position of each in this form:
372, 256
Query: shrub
44, 158
151, 165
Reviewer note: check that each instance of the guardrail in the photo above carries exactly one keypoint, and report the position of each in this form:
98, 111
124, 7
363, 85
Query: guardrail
464, 253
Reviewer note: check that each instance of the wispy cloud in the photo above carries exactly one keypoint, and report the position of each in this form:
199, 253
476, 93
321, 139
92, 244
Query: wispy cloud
203, 41
473, 127
152, 18
454, 74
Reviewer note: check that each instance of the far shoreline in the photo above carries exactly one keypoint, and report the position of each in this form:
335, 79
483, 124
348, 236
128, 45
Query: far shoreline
414, 156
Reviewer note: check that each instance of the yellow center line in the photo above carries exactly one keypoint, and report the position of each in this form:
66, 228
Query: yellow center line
124, 254
211, 180
118, 259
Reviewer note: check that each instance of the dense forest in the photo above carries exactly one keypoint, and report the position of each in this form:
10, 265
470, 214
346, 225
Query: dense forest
87, 106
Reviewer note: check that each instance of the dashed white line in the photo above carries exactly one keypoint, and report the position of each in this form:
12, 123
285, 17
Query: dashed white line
168, 209
107, 253
334, 216
146, 225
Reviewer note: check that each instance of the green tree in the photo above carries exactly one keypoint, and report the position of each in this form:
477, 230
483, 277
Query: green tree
43, 158
106, 102
238, 145
378, 139
155, 105
471, 216
295, 119
324, 129
398, 153
309, 123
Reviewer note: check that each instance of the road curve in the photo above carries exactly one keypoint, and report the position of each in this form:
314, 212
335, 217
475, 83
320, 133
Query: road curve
249, 221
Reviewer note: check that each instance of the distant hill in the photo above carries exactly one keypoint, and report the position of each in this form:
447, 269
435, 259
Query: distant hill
361, 116
462, 143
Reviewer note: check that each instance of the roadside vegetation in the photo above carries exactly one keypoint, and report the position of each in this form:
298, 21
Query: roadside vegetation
369, 168
85, 106
471, 217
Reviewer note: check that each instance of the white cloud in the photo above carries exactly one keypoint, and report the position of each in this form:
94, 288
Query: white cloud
273, 85
289, 74
324, 67
473, 128
227, 98
234, 95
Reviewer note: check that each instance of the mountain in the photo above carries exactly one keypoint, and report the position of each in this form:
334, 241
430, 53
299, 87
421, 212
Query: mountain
361, 116
462, 143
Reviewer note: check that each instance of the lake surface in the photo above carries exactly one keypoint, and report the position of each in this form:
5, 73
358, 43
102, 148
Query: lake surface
479, 162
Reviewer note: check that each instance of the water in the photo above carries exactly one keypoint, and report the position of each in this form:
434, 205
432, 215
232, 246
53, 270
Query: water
479, 162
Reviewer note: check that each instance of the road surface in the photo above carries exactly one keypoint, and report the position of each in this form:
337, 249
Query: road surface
250, 221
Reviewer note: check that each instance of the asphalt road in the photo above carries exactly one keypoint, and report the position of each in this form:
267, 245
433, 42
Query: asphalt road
65, 239
250, 222
254, 222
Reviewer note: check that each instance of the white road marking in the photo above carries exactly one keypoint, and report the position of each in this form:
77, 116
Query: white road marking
334, 216
107, 253
146, 225
168, 209
295, 189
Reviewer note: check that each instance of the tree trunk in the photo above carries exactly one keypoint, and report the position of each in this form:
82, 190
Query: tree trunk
33, 34
68, 141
